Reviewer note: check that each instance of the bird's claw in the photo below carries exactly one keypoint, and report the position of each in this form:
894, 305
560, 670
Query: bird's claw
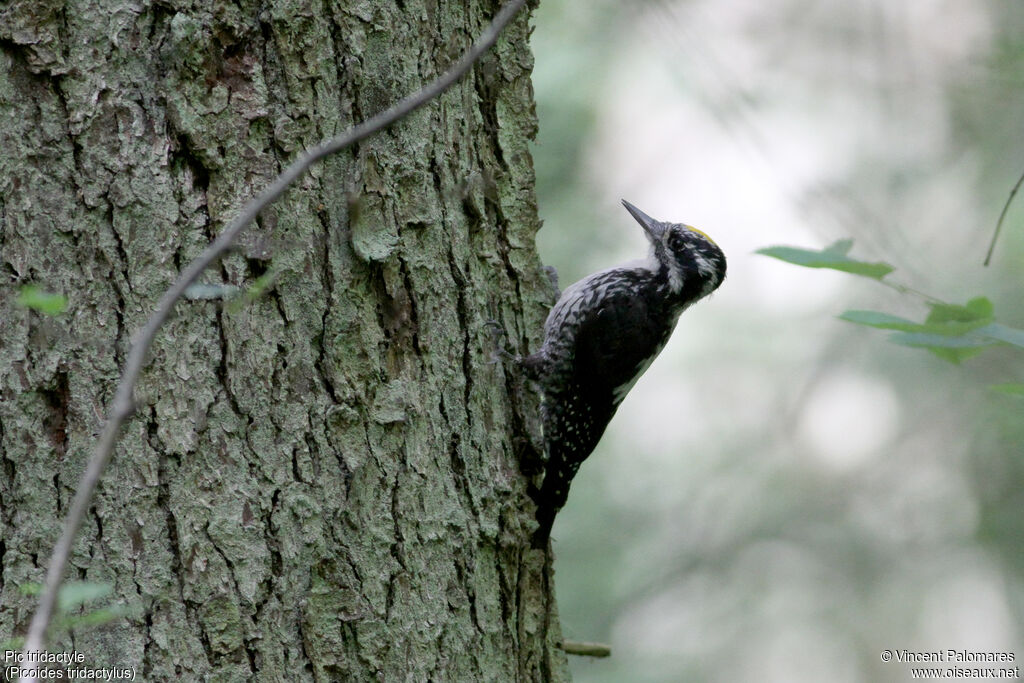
499, 353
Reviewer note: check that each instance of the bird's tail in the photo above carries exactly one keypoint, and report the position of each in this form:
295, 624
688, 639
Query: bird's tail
553, 493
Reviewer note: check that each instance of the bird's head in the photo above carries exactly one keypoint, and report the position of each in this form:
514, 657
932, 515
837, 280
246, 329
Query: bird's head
692, 260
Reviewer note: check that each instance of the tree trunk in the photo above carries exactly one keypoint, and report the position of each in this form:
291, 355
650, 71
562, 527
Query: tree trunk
321, 481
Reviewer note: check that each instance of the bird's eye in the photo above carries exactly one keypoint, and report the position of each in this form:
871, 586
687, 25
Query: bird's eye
675, 241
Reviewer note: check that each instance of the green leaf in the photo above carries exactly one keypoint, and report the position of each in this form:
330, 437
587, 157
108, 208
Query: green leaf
833, 257
883, 321
954, 319
951, 348
32, 297
952, 332
928, 340
840, 247
1014, 389
956, 356
75, 593
1003, 333
981, 307
952, 328
947, 328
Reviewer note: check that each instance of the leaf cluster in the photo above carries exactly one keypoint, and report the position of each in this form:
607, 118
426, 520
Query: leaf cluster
952, 332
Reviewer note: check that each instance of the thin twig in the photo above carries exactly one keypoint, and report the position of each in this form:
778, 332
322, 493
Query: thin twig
906, 289
1002, 215
579, 649
121, 407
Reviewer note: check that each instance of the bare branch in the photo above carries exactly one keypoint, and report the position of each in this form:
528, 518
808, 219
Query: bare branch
122, 405
1002, 215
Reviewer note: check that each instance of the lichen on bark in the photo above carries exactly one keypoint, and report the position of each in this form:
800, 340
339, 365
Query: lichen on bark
321, 483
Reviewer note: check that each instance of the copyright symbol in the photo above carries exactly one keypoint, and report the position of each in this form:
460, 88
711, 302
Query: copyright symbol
886, 655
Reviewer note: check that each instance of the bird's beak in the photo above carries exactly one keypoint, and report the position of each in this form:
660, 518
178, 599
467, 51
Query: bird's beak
655, 229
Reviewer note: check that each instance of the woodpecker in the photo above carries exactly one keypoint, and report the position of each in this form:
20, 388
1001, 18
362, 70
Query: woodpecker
600, 337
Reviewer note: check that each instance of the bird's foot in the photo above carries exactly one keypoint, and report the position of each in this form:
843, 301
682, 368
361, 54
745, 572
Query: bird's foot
500, 353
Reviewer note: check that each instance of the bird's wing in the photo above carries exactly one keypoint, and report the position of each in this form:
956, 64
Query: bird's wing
618, 336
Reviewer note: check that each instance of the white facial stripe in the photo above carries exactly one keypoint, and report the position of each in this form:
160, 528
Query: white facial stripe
675, 276
703, 264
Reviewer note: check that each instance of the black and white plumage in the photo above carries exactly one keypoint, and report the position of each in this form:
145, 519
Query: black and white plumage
601, 335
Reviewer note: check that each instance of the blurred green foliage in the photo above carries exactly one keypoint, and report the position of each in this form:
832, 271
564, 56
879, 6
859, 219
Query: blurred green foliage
73, 608
35, 298
952, 332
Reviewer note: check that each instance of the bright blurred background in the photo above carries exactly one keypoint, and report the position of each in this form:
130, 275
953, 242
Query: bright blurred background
785, 495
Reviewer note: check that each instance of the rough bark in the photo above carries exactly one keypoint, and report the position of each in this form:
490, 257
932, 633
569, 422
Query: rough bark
321, 483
